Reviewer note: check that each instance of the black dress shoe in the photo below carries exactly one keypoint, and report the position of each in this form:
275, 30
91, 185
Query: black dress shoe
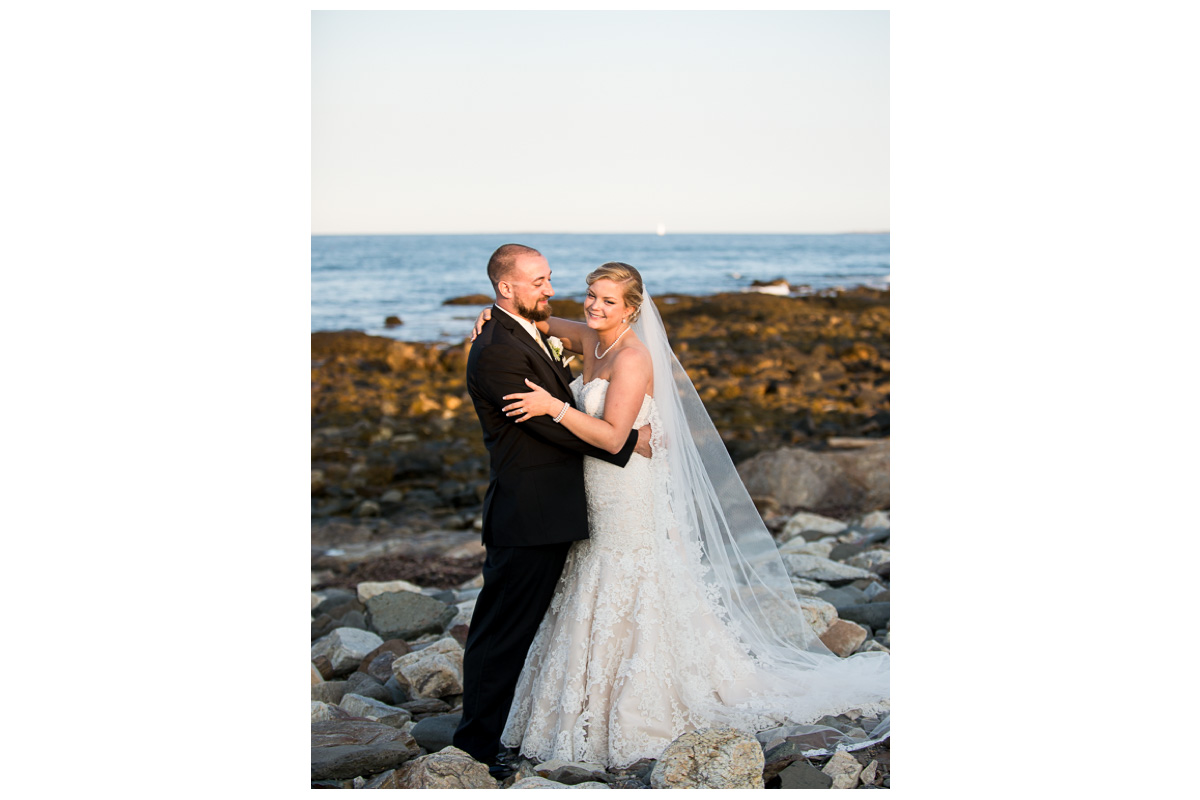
507, 761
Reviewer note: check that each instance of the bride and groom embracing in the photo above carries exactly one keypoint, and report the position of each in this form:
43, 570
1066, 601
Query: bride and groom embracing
631, 591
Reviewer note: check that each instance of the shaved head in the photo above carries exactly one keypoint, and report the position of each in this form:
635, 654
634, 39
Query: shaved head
502, 262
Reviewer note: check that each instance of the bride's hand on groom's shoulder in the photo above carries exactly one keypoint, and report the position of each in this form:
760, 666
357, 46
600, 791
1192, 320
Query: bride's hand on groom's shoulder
483, 317
531, 404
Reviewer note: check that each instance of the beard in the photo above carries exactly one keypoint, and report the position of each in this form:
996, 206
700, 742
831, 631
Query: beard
534, 314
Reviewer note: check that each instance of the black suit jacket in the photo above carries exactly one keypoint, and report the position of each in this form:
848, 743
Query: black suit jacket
535, 495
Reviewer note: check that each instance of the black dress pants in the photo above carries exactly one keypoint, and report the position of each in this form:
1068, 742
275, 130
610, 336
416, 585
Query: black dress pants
518, 584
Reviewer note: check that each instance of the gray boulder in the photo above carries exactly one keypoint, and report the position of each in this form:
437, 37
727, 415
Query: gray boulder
436, 733
400, 694
435, 671
870, 559
807, 587
806, 737
345, 648
321, 625
425, 707
329, 692
449, 768
806, 522
876, 520
322, 712
873, 615
571, 772
620, 783
384, 780
361, 683
779, 758
407, 615
332, 598
379, 667
465, 610
369, 708
352, 618
348, 748
802, 775
821, 547
843, 769
815, 568
712, 758
538, 782
843, 551
843, 596
822, 482
397, 647
638, 771
369, 589
873, 591
535, 782
342, 609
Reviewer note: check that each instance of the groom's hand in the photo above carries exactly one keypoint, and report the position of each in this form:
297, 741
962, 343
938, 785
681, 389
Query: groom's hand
643, 445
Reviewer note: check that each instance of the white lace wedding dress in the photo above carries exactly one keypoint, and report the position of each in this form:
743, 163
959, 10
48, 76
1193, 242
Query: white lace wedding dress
636, 648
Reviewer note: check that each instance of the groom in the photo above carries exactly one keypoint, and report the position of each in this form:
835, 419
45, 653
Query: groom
535, 505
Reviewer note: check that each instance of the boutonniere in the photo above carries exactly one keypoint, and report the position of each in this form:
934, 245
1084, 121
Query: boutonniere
556, 348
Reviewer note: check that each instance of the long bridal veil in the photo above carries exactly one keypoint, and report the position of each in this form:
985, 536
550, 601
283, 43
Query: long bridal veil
799, 679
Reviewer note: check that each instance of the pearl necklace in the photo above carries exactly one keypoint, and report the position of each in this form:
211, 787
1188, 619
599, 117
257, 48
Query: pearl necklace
600, 355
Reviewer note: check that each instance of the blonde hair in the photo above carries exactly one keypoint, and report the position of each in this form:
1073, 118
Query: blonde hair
630, 279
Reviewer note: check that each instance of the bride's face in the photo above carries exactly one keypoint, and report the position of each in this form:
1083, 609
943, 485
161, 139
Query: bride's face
604, 307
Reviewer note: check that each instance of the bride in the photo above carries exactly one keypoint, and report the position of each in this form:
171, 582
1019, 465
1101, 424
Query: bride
677, 613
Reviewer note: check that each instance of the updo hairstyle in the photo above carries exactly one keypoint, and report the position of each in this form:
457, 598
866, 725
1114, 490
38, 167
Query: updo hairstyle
628, 277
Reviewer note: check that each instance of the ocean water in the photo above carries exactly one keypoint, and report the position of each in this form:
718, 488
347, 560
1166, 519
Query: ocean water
358, 281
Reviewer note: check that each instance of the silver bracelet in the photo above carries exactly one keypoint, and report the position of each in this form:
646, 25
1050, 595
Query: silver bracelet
562, 413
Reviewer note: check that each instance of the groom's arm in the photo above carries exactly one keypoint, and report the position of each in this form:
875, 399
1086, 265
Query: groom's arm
503, 370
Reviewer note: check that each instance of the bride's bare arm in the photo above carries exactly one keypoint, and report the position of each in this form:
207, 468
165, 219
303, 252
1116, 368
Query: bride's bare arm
574, 335
631, 376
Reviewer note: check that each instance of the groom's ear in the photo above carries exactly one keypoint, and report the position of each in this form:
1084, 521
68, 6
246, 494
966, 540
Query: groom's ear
504, 289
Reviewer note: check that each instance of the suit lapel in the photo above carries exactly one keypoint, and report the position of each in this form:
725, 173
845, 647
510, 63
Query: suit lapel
523, 337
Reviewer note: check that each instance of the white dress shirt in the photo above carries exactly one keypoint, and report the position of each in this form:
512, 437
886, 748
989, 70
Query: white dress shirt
531, 328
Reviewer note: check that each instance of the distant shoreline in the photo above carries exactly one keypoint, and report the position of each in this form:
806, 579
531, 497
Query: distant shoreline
567, 303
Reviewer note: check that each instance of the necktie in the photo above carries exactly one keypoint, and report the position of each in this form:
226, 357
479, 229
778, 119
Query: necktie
542, 342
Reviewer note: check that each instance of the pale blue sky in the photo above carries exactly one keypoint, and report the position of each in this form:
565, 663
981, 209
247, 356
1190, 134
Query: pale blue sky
479, 122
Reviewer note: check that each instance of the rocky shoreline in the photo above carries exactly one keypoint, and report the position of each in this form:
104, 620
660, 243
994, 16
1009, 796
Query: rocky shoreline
798, 387
397, 451
387, 683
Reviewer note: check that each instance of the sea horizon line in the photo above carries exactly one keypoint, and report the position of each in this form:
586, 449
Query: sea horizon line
606, 233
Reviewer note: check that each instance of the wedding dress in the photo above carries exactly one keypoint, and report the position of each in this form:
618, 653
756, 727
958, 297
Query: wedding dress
677, 613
